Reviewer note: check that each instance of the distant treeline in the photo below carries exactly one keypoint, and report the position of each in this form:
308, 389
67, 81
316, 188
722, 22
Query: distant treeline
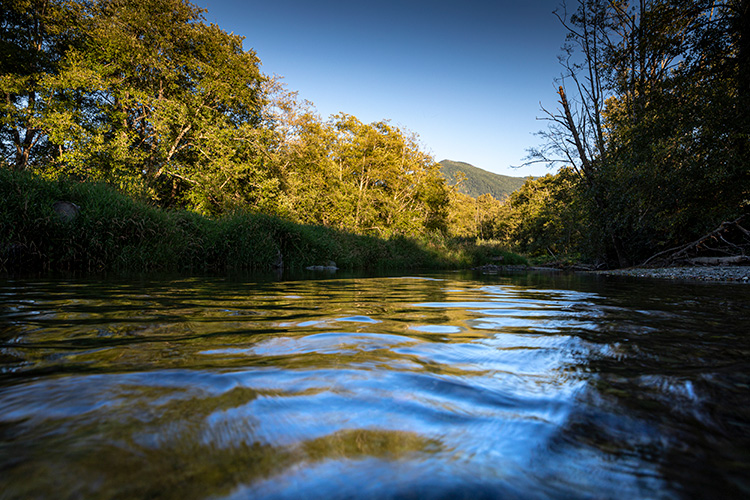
147, 97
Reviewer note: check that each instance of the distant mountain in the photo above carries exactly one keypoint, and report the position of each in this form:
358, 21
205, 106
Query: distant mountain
478, 181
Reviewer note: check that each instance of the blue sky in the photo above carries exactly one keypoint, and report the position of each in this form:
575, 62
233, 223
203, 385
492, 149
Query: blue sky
467, 76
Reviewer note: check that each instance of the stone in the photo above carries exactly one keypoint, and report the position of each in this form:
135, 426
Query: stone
329, 267
66, 210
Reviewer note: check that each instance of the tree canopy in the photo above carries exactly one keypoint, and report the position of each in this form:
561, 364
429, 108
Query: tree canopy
147, 96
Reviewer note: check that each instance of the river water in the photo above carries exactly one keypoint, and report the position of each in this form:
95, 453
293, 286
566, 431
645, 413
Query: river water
451, 385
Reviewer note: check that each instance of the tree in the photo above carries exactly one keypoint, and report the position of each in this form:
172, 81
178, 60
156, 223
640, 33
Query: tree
677, 133
547, 217
576, 134
173, 106
367, 178
310, 176
649, 119
388, 184
142, 94
35, 37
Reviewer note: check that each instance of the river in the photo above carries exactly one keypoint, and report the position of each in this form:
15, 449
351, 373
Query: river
452, 385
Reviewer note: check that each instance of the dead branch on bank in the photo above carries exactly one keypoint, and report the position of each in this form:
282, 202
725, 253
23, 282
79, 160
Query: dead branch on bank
729, 244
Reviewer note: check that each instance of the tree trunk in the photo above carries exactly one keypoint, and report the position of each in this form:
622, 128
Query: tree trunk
743, 59
23, 149
622, 257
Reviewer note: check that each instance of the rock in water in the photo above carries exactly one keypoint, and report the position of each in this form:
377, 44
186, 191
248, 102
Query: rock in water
330, 267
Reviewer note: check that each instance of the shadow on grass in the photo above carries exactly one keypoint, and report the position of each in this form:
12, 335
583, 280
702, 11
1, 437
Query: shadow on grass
116, 233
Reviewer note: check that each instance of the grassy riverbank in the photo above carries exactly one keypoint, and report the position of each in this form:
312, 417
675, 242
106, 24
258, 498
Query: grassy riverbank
115, 233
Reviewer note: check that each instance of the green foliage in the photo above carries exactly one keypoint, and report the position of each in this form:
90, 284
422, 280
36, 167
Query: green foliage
679, 140
114, 232
656, 127
483, 217
547, 217
477, 182
366, 178
147, 97
35, 36
168, 108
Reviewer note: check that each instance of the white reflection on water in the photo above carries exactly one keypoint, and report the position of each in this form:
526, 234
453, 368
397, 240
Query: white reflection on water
447, 329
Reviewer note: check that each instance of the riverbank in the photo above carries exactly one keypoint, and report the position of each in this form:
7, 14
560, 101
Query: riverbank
727, 274
73, 226
723, 274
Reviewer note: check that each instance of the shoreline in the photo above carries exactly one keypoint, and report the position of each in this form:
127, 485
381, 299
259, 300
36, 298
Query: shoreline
715, 274
719, 274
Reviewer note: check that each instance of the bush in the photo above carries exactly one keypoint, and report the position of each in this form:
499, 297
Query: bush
114, 232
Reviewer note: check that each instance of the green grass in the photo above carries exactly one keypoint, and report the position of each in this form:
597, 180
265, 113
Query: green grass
115, 233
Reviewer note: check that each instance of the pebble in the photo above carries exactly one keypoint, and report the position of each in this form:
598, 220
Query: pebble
727, 274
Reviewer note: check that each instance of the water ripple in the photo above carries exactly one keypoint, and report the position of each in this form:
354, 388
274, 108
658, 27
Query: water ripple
423, 387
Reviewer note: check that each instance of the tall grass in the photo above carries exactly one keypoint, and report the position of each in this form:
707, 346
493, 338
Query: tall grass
117, 233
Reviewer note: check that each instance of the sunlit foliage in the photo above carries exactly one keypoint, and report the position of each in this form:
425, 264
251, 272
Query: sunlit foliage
370, 178
546, 217
148, 97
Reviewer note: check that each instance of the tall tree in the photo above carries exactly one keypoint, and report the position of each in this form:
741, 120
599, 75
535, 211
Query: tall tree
141, 93
576, 133
651, 118
389, 184
35, 37
173, 104
678, 127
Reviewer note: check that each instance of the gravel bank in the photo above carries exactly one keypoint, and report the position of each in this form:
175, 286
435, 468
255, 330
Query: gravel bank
728, 274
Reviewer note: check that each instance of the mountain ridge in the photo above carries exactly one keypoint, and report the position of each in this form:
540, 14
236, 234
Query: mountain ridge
479, 181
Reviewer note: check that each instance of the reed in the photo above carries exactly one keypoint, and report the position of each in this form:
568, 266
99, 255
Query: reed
112, 232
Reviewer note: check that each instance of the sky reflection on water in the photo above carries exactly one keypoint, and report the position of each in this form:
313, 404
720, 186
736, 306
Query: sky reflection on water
443, 386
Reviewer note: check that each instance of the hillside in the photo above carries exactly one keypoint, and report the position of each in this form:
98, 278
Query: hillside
479, 182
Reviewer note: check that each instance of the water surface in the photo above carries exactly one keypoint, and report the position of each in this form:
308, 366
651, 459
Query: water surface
437, 386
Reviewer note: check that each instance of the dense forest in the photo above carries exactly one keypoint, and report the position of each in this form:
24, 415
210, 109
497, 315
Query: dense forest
653, 128
475, 181
650, 131
146, 96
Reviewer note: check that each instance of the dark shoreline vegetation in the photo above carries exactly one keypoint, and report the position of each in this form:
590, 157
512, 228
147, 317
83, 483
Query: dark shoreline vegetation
113, 232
